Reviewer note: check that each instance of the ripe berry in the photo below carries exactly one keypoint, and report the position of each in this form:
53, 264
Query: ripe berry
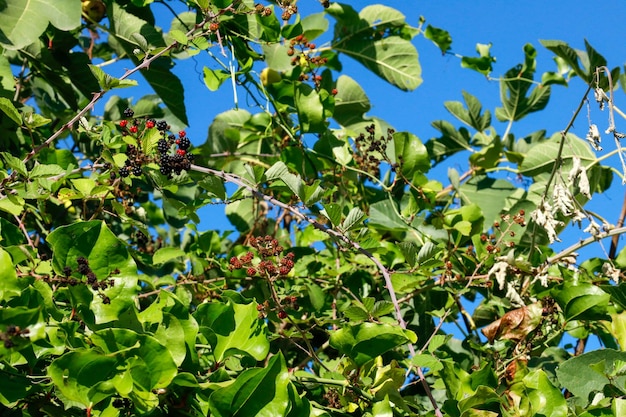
124, 172
184, 143
129, 113
136, 170
161, 125
165, 170
162, 146
150, 123
133, 129
123, 123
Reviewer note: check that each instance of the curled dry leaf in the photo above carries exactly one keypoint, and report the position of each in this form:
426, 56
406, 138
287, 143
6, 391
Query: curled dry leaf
516, 324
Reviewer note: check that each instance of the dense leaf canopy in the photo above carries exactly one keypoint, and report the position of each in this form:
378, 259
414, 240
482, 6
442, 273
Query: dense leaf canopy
349, 261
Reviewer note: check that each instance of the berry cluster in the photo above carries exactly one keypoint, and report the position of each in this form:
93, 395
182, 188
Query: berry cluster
170, 160
174, 161
84, 270
370, 150
289, 9
290, 301
10, 335
269, 250
262, 10
308, 61
495, 243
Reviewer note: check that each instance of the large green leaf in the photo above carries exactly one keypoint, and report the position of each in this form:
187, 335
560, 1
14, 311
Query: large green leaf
583, 301
411, 154
22, 21
582, 63
81, 376
589, 373
313, 108
545, 399
9, 284
151, 364
540, 157
391, 56
365, 341
471, 115
450, 142
108, 258
518, 99
491, 195
233, 328
351, 102
260, 392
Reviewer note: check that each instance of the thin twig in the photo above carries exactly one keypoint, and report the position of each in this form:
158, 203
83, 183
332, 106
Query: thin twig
620, 223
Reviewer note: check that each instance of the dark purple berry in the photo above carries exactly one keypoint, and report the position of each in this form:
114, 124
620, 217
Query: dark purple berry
137, 171
124, 172
184, 143
129, 113
91, 278
161, 125
162, 146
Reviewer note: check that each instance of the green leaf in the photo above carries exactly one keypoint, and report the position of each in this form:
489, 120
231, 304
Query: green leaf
261, 392
540, 157
365, 341
107, 82
213, 79
167, 254
80, 376
151, 364
9, 109
582, 302
483, 62
310, 107
579, 377
470, 116
451, 141
440, 37
9, 284
491, 195
545, 398
214, 185
22, 22
411, 154
179, 36
351, 102
354, 217
333, 212
518, 99
392, 57
108, 258
233, 328
384, 216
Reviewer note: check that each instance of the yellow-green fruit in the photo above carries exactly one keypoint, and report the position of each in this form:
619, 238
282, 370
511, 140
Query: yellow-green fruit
94, 10
269, 76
